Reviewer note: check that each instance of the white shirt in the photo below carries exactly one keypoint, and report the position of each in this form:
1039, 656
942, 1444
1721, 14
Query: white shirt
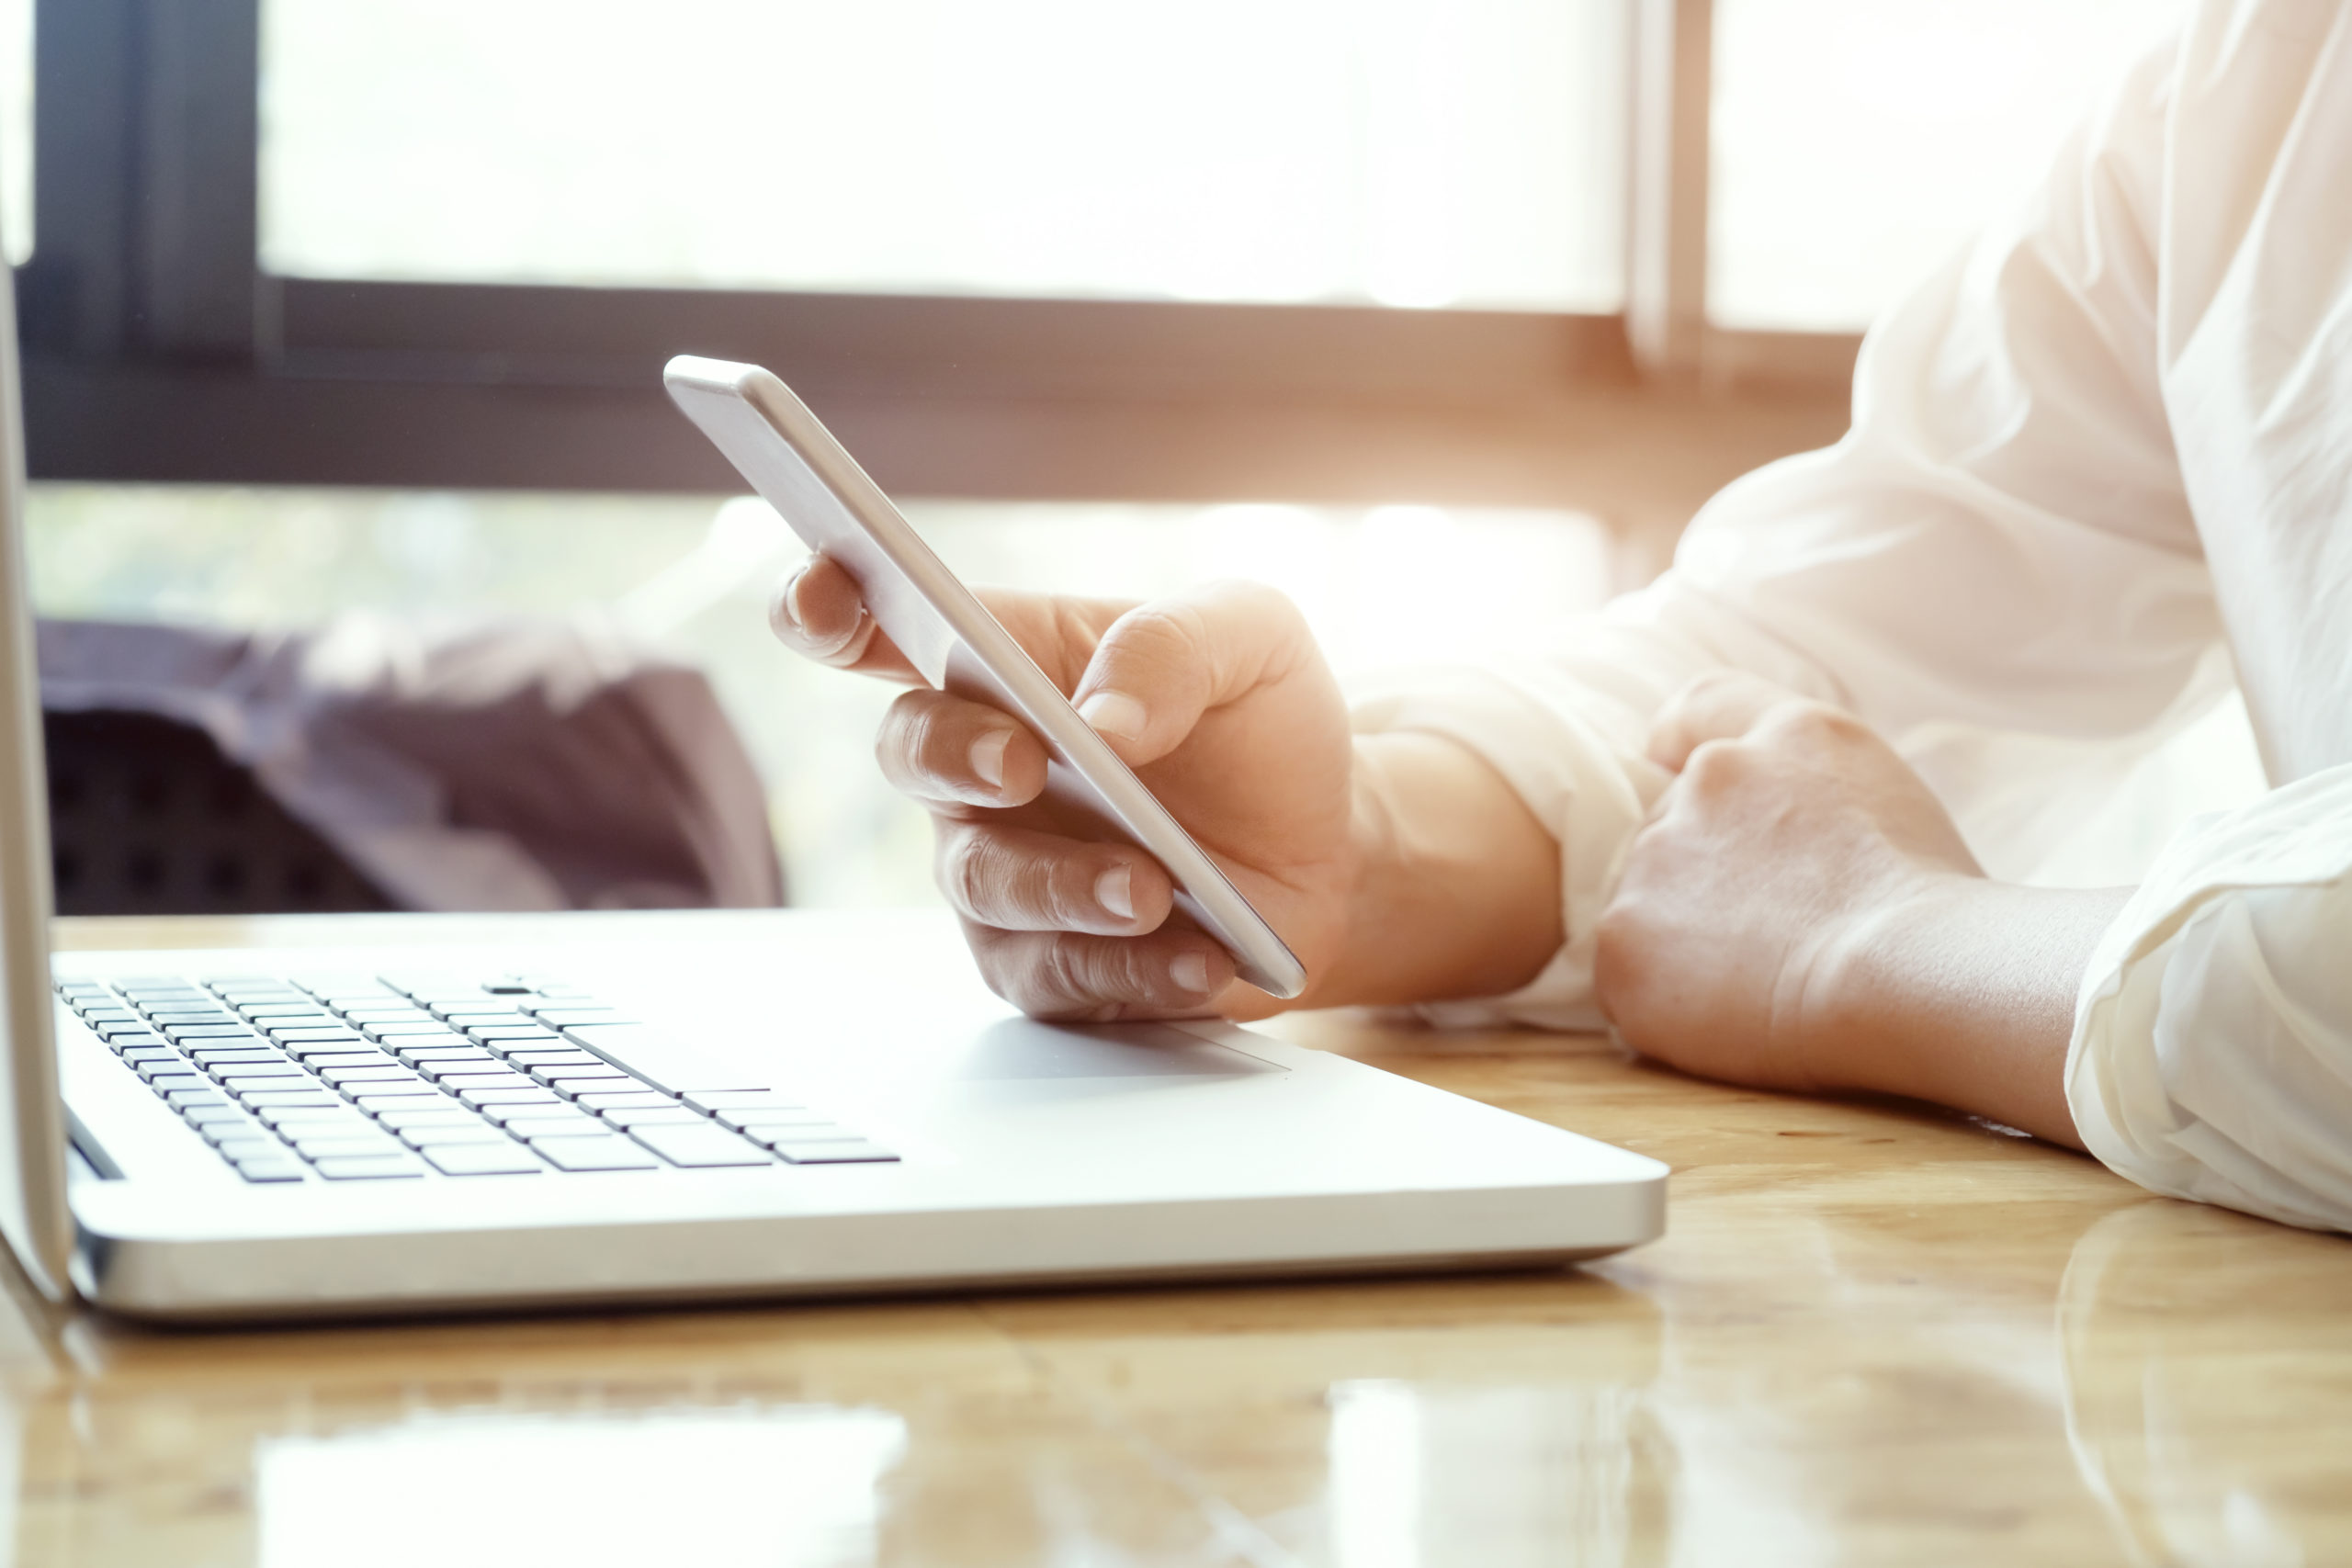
2099, 461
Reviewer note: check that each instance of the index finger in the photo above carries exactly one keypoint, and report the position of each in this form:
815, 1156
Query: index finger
819, 614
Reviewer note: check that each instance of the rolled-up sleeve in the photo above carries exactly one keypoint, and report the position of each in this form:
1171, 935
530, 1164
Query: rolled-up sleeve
2213, 1050
1996, 568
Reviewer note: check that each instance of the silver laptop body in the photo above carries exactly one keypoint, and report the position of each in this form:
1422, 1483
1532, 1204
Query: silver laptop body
653, 1110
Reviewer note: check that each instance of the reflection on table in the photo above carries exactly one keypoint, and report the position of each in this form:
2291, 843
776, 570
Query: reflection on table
1871, 1334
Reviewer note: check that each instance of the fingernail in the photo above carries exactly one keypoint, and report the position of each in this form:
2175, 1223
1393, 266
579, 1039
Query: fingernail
782, 618
1115, 891
987, 756
1190, 973
1113, 713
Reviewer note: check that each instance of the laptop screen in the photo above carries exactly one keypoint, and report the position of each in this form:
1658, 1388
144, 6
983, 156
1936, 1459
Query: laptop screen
32, 1143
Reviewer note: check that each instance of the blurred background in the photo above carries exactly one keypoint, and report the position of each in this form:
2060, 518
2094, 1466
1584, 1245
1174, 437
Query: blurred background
331, 307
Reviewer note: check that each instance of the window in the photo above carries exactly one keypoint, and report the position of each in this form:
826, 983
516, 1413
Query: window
689, 575
1857, 143
1411, 152
17, 129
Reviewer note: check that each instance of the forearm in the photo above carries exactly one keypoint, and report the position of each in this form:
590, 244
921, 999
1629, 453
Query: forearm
1457, 885
1963, 995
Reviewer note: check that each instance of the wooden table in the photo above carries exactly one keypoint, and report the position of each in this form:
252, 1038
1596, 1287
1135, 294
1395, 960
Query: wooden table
1872, 1335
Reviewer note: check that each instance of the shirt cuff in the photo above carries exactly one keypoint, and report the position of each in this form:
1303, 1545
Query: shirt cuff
2211, 1047
1590, 795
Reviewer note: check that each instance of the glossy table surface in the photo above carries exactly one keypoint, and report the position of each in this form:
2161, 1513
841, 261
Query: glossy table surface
1871, 1334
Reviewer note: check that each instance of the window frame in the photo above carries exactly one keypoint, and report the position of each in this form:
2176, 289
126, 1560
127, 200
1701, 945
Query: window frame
156, 348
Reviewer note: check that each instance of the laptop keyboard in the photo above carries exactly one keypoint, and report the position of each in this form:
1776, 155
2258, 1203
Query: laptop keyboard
375, 1078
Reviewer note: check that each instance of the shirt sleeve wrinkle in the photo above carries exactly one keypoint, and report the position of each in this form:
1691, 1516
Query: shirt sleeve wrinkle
2212, 1049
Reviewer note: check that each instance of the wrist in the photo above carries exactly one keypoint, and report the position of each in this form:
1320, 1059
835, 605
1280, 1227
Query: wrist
1867, 1019
1450, 886
1961, 990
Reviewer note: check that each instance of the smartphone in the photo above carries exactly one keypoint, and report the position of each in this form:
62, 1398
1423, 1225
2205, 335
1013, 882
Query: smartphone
956, 644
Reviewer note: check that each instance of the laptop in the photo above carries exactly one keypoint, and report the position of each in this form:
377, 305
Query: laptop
659, 1107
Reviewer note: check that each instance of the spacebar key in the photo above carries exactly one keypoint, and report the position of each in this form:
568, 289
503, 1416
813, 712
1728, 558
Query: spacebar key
663, 1058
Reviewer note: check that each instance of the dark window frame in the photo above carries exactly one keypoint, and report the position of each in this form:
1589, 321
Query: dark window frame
156, 349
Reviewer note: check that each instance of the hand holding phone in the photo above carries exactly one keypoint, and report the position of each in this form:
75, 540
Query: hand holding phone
1217, 698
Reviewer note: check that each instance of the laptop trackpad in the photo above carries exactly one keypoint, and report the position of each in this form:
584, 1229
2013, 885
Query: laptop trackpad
1024, 1048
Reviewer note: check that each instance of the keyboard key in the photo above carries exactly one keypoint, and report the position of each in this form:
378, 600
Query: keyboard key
335, 1051
422, 1029
858, 1153
699, 1148
370, 1168
171, 1083
244, 1051
442, 1110
642, 1101
243, 1087
537, 1111
311, 1035
803, 1133
164, 1067
507, 1033
774, 1116
662, 1058
319, 1147
321, 1062
573, 1087
113, 1032
562, 1054
281, 1167
610, 1152
671, 1114
442, 1069
387, 1074
744, 1100
276, 1015
180, 1032
307, 1098
495, 1078
613, 1080
240, 1132
375, 1104
186, 1099
487, 1096
436, 1137
341, 1124
531, 1129
220, 1113
503, 1158
233, 1072
523, 1061
447, 1056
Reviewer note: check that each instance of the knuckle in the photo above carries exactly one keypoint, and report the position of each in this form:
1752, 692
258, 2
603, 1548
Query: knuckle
1065, 973
1065, 893
900, 741
959, 873
1156, 632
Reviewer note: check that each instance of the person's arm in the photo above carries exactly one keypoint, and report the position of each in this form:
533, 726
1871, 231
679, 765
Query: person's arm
1802, 914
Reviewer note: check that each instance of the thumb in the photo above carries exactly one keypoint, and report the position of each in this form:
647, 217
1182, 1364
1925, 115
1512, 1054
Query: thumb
1163, 664
1721, 705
